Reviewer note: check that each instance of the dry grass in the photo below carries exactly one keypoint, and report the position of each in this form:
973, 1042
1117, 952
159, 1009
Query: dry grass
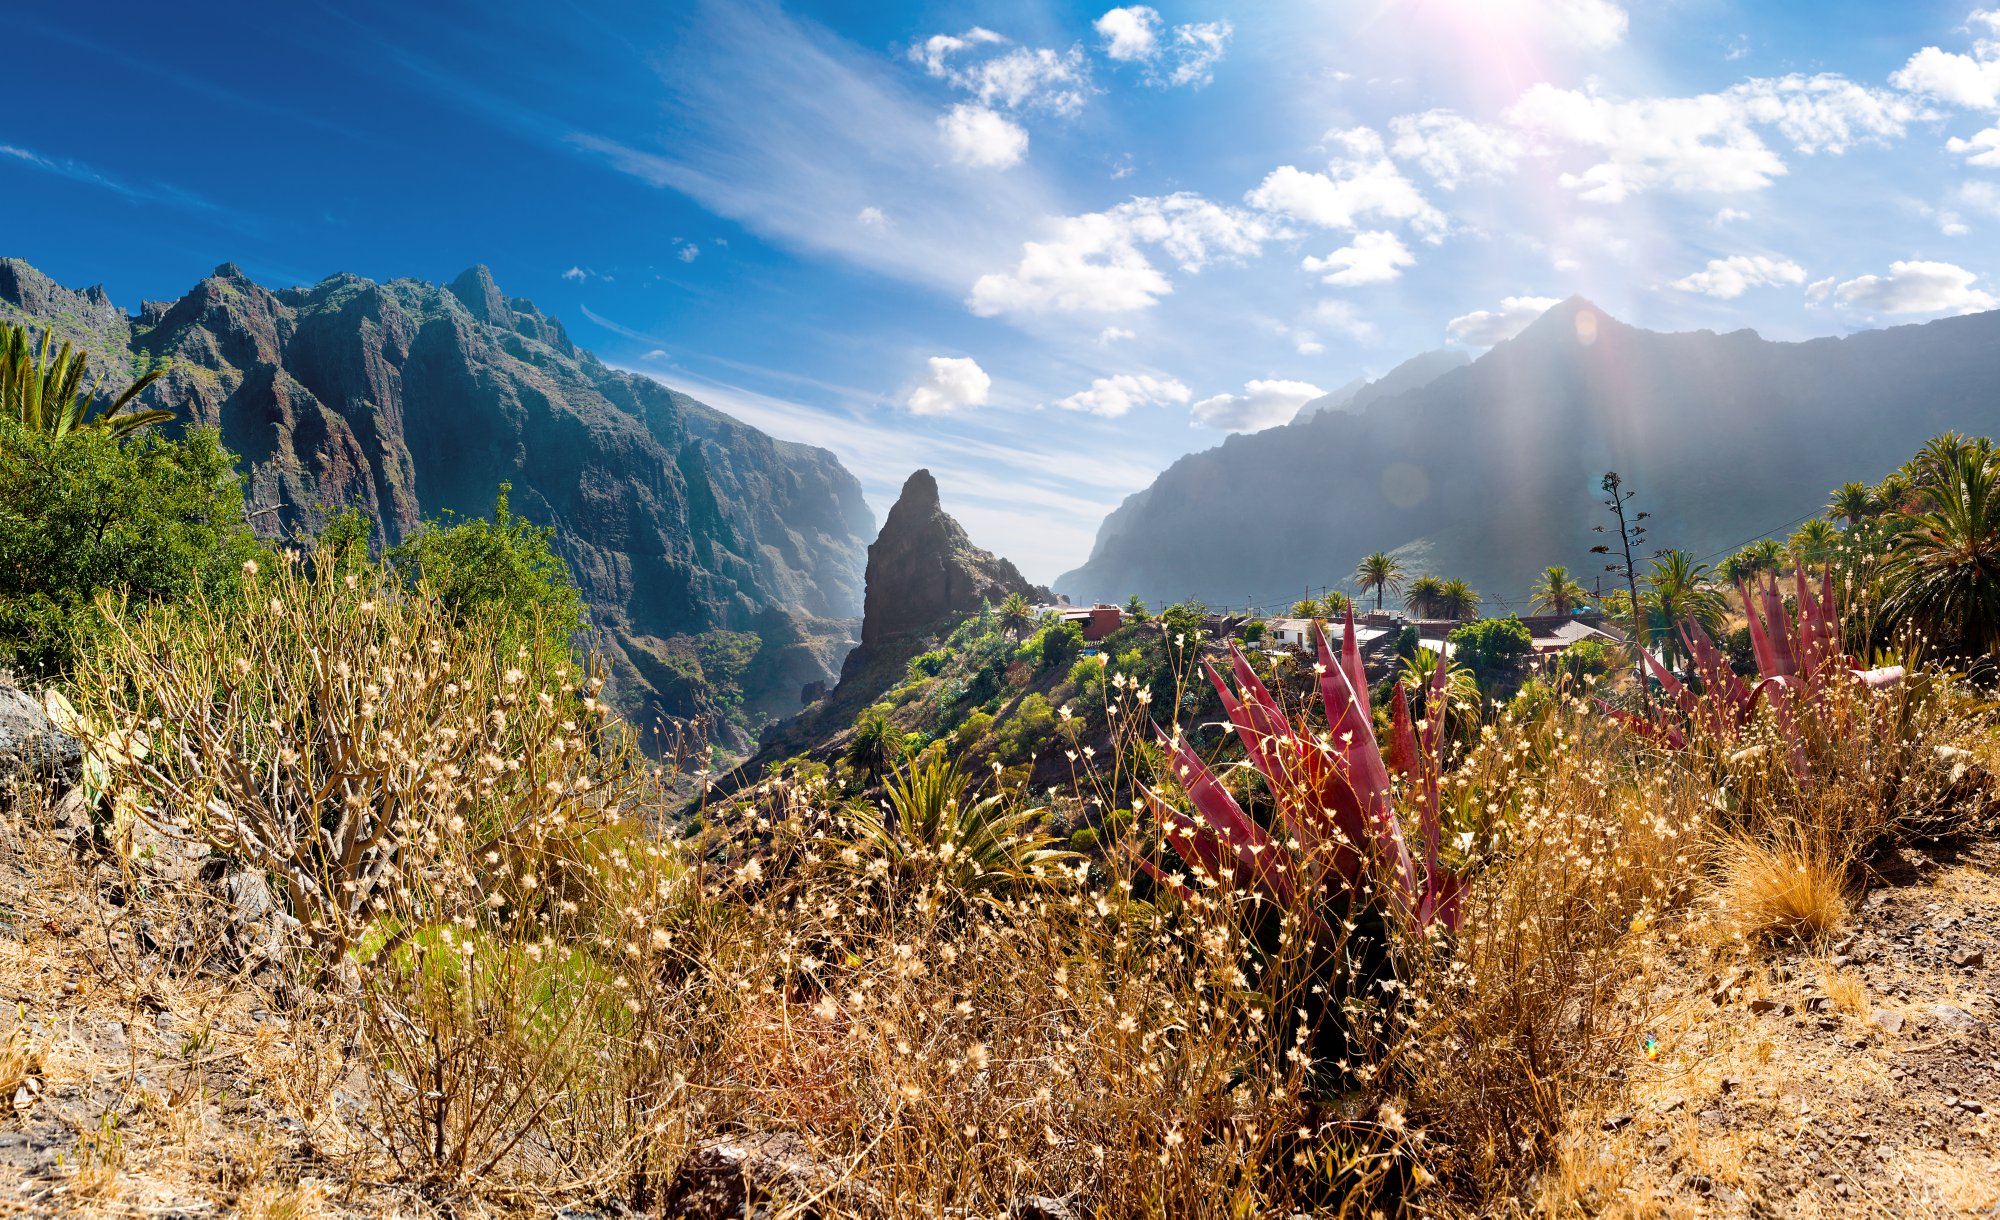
495, 979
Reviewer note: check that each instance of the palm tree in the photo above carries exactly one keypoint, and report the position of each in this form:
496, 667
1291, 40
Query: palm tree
1895, 493
1678, 592
1852, 502
1458, 600
1379, 571
1941, 456
1770, 554
875, 744
1739, 567
1135, 609
1015, 615
46, 392
1813, 543
1306, 607
1944, 574
1334, 605
1556, 592
1424, 593
1461, 688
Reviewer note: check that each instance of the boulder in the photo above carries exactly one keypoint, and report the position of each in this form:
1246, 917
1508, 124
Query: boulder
31, 746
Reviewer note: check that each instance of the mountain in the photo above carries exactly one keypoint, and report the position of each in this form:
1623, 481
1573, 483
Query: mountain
690, 532
1412, 374
924, 577
1491, 471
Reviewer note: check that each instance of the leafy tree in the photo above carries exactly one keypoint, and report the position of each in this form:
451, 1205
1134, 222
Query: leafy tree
875, 743
1425, 596
83, 513
1852, 502
1491, 644
1380, 571
1588, 658
1135, 609
1061, 642
927, 664
1944, 572
502, 566
1184, 619
1252, 631
1458, 600
1677, 592
44, 391
1556, 592
1015, 615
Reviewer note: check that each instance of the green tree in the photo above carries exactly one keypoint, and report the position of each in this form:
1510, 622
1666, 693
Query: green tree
1813, 543
504, 567
875, 743
1379, 571
1424, 597
1556, 592
1677, 592
1491, 644
44, 391
1061, 644
1015, 615
1852, 503
1943, 574
1458, 600
83, 513
1135, 609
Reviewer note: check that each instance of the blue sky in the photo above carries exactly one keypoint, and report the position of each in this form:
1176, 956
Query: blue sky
1043, 249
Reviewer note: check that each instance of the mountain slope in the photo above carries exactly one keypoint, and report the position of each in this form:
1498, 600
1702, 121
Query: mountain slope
1491, 471
407, 399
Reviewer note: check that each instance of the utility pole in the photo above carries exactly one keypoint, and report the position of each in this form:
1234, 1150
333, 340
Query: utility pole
1629, 532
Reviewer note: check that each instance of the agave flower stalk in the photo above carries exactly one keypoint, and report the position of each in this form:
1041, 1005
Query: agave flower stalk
1799, 664
1336, 803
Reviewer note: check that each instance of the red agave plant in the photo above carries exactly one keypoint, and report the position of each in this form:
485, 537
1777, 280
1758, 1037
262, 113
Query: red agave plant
1334, 798
1799, 663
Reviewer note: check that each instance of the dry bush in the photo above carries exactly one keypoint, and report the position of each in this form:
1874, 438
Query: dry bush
1789, 886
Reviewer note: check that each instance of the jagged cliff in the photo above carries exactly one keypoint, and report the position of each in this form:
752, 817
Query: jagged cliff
1490, 471
924, 577
408, 398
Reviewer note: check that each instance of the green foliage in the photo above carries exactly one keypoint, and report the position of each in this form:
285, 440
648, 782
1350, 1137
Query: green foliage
1590, 658
1252, 631
1944, 574
1087, 675
1026, 728
1015, 615
1061, 644
1491, 644
1182, 621
1083, 839
1135, 610
43, 391
1380, 572
153, 520
973, 730
927, 664
502, 567
1407, 643
875, 743
935, 837
1556, 592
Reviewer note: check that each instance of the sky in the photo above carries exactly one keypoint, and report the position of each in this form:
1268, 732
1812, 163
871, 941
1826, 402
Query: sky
1042, 249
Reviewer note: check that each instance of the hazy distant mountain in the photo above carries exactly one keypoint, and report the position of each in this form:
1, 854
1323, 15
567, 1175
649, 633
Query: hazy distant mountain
408, 398
1412, 374
1490, 471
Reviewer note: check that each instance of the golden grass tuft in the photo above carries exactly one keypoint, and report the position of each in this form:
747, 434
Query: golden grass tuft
1787, 888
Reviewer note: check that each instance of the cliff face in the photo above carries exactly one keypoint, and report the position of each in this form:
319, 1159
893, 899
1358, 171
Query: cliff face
1489, 472
406, 399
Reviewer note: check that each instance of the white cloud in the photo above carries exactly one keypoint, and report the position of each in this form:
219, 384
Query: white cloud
1916, 287
1131, 33
1262, 404
1112, 397
1187, 56
1486, 327
1112, 334
1819, 290
1093, 262
658, 353
1728, 278
982, 138
1694, 144
575, 273
872, 215
1362, 185
1029, 78
1376, 257
1827, 112
953, 384
1589, 23
690, 252
1982, 149
1453, 149
933, 52
1971, 81
1728, 216
1341, 316
1980, 196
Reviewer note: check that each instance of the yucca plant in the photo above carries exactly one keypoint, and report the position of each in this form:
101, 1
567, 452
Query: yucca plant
930, 831
46, 391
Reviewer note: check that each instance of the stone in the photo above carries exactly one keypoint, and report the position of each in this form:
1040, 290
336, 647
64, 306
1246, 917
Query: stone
1969, 959
1955, 1017
1764, 1004
31, 746
1617, 1122
726, 1178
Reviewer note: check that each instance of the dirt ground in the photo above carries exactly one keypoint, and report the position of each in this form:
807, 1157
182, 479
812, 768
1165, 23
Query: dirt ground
1858, 1079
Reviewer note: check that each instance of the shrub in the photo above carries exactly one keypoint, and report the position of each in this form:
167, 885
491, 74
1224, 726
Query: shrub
1060, 644
152, 520
1025, 729
1087, 675
1252, 631
502, 567
1588, 659
1491, 644
927, 664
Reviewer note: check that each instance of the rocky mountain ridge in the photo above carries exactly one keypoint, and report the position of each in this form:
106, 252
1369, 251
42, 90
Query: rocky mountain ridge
408, 399
1490, 471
